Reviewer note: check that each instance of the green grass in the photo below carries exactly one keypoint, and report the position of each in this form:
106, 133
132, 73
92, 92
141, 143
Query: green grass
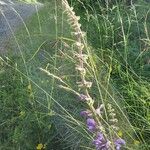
26, 92
36, 110
34, 46
121, 46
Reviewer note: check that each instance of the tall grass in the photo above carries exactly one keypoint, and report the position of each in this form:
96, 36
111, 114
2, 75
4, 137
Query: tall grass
39, 89
120, 31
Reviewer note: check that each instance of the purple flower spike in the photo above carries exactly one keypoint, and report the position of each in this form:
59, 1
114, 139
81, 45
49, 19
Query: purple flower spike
101, 143
85, 113
91, 124
119, 142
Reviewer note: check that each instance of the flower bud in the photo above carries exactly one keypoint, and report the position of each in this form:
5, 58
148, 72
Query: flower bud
84, 97
84, 57
113, 120
79, 45
84, 84
86, 113
81, 69
99, 110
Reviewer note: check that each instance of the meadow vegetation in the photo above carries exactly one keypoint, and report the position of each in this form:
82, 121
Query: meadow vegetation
40, 106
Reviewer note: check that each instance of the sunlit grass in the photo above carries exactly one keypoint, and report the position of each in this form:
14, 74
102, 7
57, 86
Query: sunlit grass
44, 61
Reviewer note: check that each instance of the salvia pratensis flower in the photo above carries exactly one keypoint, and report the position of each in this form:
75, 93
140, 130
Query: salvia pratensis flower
101, 143
91, 124
86, 113
119, 143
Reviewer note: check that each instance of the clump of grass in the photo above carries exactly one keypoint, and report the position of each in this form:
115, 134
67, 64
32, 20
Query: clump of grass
23, 125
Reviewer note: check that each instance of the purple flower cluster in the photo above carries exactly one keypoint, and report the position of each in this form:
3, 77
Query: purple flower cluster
101, 143
91, 124
86, 113
119, 143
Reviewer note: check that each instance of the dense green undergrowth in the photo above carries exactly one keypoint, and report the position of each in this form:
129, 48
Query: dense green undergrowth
120, 35
35, 110
26, 93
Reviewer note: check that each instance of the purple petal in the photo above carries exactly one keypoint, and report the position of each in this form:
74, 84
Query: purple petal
85, 113
91, 128
101, 143
91, 124
100, 136
118, 147
120, 142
